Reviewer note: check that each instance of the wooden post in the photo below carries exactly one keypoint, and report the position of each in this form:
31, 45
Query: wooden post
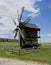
19, 43
19, 51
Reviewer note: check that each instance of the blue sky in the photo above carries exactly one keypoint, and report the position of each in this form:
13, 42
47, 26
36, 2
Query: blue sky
44, 20
38, 10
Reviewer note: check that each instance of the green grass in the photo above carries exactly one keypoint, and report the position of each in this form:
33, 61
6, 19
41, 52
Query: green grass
11, 50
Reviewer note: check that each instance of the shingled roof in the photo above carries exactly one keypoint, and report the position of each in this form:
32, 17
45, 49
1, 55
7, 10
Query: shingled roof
34, 26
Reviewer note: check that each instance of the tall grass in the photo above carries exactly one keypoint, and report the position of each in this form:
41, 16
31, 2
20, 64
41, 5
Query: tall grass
12, 50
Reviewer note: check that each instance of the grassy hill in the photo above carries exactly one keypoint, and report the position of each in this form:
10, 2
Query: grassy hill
12, 50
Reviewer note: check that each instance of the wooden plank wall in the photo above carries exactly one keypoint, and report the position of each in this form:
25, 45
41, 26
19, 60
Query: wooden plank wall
31, 36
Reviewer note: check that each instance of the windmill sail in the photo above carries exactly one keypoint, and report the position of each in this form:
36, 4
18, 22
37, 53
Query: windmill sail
27, 20
22, 13
19, 26
22, 35
15, 35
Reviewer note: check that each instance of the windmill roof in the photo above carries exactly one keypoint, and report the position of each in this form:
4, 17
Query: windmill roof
34, 26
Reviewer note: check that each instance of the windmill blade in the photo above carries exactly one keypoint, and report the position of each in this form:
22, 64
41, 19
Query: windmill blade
15, 35
22, 13
21, 34
27, 20
18, 16
14, 22
16, 30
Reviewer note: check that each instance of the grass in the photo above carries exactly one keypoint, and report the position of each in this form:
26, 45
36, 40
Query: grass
11, 50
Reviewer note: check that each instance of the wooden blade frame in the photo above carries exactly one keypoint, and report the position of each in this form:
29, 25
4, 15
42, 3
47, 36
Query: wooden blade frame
15, 35
22, 13
18, 16
27, 20
21, 34
16, 30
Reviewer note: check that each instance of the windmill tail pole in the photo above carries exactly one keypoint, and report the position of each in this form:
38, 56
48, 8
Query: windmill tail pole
19, 51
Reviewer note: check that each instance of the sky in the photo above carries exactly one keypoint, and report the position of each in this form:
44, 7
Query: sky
38, 10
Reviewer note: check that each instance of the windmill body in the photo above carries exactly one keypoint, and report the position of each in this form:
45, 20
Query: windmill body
28, 33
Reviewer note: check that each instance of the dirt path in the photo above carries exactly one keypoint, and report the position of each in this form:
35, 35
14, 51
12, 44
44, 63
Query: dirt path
5, 61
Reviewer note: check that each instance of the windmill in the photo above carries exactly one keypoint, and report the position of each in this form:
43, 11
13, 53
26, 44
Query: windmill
28, 33
20, 25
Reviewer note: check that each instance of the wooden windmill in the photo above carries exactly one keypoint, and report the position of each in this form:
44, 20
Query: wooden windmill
28, 33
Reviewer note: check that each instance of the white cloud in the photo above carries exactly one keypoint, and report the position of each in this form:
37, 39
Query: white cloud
6, 34
7, 24
50, 5
6, 27
46, 37
49, 35
42, 35
8, 9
